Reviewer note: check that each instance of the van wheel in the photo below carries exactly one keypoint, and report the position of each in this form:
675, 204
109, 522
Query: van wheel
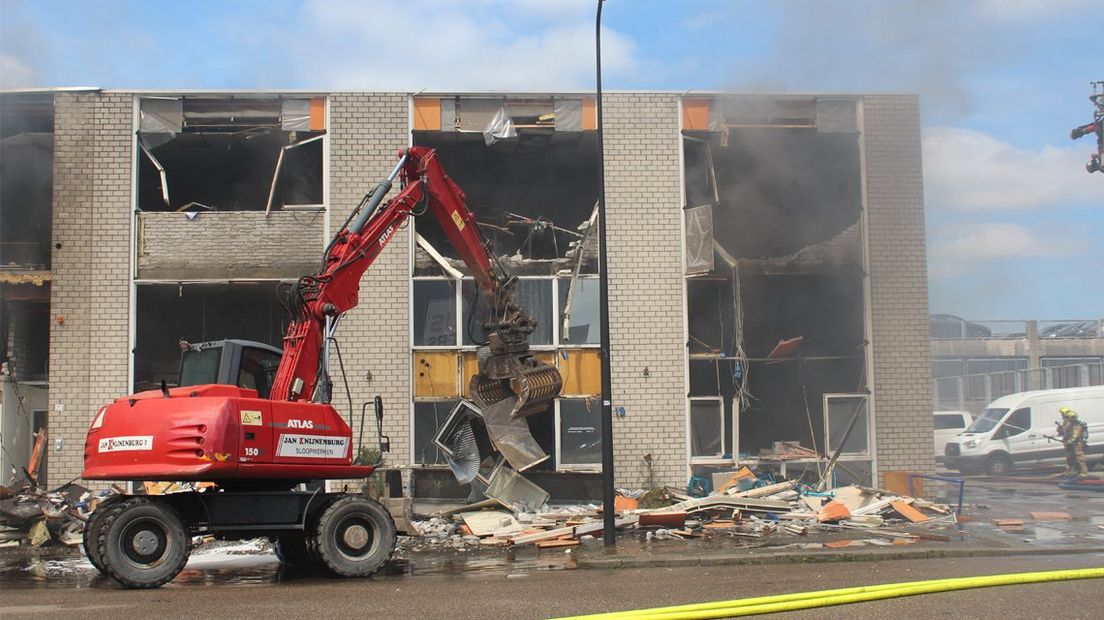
998, 465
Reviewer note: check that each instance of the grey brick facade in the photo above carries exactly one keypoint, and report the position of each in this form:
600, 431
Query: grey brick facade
91, 305
644, 202
898, 283
229, 244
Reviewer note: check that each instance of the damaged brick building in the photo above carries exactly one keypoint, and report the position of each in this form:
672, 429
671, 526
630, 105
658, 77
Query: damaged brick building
766, 252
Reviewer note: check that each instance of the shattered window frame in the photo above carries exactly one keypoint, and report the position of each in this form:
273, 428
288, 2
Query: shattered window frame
300, 120
862, 425
718, 457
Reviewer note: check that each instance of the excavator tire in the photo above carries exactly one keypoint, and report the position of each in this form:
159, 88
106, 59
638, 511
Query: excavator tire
143, 543
292, 549
92, 530
354, 537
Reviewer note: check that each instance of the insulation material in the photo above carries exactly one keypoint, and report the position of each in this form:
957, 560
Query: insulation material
295, 115
501, 127
159, 120
435, 374
510, 487
699, 240
569, 114
836, 116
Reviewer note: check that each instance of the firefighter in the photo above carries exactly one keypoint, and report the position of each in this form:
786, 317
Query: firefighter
1073, 433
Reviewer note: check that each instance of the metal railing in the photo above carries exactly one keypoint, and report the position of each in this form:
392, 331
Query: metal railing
973, 392
946, 327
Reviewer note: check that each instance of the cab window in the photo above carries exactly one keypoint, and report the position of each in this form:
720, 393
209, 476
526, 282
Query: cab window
258, 370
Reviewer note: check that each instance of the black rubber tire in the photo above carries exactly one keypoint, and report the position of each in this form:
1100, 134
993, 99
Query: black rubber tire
354, 537
292, 549
143, 521
998, 465
101, 515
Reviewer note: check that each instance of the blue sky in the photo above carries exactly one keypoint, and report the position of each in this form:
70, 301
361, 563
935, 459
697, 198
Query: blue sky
1015, 224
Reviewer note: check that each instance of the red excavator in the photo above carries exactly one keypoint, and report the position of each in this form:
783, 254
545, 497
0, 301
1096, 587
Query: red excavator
258, 424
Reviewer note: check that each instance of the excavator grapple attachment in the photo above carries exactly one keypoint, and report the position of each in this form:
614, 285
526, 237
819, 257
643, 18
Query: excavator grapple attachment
530, 387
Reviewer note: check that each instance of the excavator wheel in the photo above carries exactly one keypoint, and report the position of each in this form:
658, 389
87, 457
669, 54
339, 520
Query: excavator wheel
292, 549
354, 536
92, 529
143, 543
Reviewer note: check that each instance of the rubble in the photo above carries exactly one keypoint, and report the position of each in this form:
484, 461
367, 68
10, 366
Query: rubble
758, 511
37, 517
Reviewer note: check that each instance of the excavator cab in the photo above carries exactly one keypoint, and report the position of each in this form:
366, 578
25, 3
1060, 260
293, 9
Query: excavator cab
243, 363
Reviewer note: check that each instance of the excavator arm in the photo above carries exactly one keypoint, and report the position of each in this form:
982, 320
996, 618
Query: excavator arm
509, 376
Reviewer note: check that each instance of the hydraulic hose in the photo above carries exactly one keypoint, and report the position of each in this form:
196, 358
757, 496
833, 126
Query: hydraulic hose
825, 598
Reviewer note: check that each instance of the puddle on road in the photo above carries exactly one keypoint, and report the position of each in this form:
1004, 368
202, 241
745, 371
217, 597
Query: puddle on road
251, 562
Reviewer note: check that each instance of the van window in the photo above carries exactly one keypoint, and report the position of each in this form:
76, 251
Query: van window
1018, 422
949, 421
987, 421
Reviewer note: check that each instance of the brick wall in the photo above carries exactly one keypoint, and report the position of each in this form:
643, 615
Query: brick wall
898, 283
230, 244
367, 130
90, 289
644, 199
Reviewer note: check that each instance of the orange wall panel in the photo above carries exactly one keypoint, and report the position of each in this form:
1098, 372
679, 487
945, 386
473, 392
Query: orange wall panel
318, 114
582, 372
427, 113
590, 114
435, 374
695, 113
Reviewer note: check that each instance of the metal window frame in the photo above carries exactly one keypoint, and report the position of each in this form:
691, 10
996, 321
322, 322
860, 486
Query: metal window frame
828, 449
560, 465
705, 459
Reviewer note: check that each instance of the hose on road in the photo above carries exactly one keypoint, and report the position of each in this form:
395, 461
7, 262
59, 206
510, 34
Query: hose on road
825, 598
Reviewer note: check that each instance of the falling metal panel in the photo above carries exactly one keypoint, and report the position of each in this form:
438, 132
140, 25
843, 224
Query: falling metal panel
510, 487
699, 240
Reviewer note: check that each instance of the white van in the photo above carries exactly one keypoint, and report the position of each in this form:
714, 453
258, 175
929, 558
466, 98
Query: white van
948, 424
1018, 429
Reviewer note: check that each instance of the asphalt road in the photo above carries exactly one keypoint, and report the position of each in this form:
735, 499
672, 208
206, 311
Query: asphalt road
566, 592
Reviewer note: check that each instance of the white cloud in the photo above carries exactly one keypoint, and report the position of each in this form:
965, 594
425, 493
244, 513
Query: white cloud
444, 46
14, 73
973, 171
975, 247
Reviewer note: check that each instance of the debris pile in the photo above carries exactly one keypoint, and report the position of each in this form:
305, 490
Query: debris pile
37, 517
745, 508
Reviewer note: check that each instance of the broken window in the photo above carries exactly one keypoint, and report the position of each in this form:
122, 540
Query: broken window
434, 313
580, 323
775, 282
428, 417
580, 432
706, 428
26, 179
846, 423
230, 153
165, 314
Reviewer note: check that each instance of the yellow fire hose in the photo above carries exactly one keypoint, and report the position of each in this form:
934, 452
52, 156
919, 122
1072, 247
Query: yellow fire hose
825, 598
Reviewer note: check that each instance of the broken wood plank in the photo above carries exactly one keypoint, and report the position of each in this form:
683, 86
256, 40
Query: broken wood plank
909, 512
1051, 516
577, 530
555, 544
662, 519
832, 512
770, 489
1008, 522
726, 501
